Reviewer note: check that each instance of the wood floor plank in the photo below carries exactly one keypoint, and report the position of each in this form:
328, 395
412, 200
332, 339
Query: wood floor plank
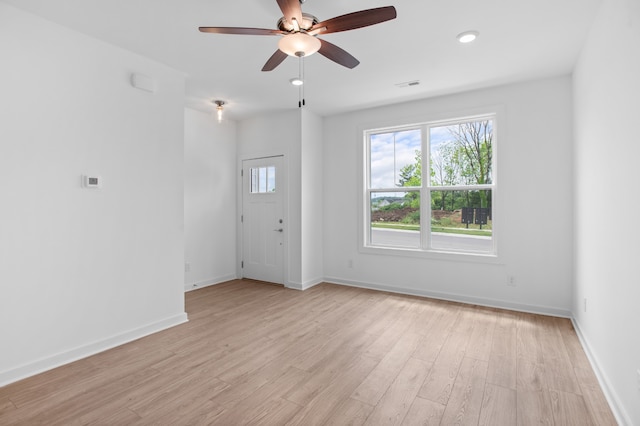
264, 401
376, 384
63, 409
325, 403
278, 413
529, 338
7, 410
465, 402
572, 343
395, 404
502, 358
569, 409
106, 415
330, 371
558, 366
531, 376
534, 408
43, 385
481, 336
350, 413
273, 349
423, 413
594, 398
260, 354
438, 330
439, 383
196, 411
147, 401
238, 391
403, 320
499, 406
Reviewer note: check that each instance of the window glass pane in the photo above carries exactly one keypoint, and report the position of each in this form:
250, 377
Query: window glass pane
271, 179
461, 154
262, 180
395, 159
395, 219
461, 220
254, 180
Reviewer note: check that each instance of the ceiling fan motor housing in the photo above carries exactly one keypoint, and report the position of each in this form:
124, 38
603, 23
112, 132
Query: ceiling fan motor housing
308, 21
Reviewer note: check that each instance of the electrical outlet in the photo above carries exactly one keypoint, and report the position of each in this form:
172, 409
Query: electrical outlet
638, 378
187, 267
584, 302
511, 281
350, 263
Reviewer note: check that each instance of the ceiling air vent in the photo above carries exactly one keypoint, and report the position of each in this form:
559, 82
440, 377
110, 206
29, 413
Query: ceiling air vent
408, 83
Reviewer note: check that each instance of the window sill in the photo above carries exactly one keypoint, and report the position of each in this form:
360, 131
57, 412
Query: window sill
433, 254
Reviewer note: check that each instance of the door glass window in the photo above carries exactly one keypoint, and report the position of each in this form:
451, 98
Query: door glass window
263, 180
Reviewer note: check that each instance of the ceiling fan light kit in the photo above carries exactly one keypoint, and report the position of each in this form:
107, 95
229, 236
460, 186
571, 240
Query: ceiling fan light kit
293, 44
299, 32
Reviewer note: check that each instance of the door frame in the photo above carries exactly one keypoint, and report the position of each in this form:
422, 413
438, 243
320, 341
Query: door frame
285, 214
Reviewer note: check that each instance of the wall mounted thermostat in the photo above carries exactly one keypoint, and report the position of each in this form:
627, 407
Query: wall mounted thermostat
92, 182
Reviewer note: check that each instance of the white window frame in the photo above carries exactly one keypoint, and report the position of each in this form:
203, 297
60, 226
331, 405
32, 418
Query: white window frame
425, 250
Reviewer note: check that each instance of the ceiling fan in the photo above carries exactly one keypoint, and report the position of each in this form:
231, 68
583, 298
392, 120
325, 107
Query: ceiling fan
299, 32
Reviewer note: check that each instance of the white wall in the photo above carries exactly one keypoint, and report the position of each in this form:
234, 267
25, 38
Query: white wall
312, 199
607, 149
82, 270
533, 201
210, 177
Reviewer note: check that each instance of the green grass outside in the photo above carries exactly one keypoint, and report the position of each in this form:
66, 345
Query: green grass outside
479, 232
396, 225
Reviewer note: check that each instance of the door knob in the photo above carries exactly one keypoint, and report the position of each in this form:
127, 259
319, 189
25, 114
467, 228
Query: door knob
278, 230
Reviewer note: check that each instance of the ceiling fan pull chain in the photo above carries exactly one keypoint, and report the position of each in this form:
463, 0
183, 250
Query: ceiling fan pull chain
302, 78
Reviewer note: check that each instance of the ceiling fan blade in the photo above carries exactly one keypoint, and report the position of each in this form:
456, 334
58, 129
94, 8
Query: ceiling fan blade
291, 9
336, 54
240, 30
275, 60
354, 20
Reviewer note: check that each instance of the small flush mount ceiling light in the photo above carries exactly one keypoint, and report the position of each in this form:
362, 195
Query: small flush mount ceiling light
219, 109
296, 81
467, 36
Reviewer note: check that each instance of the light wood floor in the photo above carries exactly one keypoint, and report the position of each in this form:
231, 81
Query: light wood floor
253, 353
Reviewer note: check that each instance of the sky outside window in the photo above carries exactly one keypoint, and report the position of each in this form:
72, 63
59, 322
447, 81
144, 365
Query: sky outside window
390, 152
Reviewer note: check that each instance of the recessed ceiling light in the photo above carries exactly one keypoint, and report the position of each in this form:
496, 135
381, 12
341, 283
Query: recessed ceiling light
467, 36
297, 81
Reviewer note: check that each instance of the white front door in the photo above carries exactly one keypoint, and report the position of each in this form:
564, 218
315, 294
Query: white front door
263, 226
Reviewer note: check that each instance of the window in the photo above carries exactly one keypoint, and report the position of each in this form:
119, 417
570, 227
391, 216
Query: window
430, 187
263, 179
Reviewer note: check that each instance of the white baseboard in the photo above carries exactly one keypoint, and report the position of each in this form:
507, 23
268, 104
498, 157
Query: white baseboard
452, 297
51, 362
617, 408
305, 285
213, 281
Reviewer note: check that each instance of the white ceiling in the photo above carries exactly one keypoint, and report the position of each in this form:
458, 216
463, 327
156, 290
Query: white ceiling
519, 40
